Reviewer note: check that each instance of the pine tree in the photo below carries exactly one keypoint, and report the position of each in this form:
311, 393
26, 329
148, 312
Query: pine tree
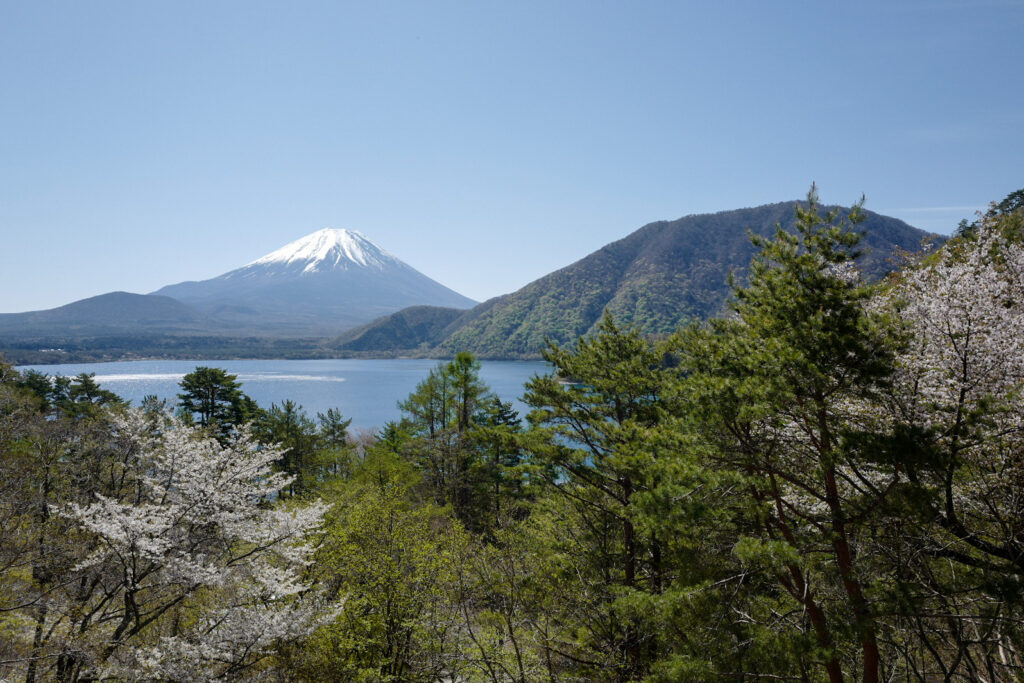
215, 399
777, 390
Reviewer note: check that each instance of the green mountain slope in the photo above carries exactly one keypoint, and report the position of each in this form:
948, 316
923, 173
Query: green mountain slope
656, 278
408, 329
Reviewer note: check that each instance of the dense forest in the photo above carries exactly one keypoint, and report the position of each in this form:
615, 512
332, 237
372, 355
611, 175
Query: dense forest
825, 484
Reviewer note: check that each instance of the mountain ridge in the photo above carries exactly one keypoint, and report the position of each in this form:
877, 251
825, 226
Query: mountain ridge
656, 278
113, 312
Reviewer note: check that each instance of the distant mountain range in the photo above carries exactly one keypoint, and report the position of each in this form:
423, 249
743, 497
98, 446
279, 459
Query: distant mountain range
113, 313
335, 293
326, 282
656, 279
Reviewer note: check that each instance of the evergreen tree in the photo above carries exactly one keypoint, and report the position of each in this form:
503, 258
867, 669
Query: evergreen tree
588, 439
288, 427
777, 390
440, 416
334, 458
214, 399
86, 396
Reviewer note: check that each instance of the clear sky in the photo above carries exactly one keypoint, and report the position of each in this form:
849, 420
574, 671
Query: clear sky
484, 143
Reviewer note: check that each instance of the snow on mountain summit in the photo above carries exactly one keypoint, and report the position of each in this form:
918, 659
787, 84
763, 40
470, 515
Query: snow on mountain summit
323, 283
328, 249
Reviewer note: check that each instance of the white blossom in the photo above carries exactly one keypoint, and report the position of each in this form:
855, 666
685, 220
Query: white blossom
198, 539
960, 376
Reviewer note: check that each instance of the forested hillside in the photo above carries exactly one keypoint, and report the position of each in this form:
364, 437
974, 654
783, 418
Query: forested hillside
656, 279
411, 329
824, 484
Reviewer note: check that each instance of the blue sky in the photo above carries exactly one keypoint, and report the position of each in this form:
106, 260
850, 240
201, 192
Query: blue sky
486, 144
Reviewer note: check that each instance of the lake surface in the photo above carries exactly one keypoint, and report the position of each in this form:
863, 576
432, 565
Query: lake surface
365, 390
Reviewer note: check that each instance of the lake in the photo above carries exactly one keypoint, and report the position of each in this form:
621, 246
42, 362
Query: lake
365, 390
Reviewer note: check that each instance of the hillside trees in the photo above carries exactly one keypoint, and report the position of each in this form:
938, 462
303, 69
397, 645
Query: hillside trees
458, 436
134, 547
957, 404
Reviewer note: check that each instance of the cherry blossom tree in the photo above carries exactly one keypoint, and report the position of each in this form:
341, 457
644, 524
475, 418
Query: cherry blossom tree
957, 545
959, 384
194, 572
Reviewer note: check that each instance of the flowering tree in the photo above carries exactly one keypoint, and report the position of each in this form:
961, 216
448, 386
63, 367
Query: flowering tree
959, 384
956, 545
193, 574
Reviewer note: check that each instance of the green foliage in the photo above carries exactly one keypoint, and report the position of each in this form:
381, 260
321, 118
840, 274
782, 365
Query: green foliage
776, 495
78, 397
315, 453
214, 398
773, 390
591, 440
459, 437
390, 563
288, 426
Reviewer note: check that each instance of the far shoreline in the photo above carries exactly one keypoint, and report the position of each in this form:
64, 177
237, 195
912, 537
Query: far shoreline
85, 358
21, 353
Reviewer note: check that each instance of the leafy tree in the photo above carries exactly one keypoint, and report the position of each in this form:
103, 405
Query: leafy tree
392, 562
956, 402
192, 529
518, 613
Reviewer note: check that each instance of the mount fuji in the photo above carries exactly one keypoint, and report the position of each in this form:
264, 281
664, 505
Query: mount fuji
327, 281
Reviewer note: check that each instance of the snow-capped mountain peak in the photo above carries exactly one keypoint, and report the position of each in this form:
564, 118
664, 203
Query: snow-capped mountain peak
322, 283
328, 249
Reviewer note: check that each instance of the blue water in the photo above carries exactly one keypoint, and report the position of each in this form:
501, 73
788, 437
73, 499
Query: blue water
365, 390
